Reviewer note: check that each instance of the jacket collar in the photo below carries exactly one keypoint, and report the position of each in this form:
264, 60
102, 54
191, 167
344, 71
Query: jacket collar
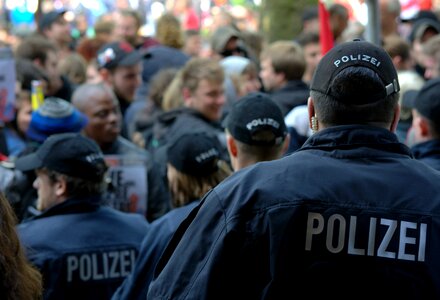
426, 149
356, 136
72, 206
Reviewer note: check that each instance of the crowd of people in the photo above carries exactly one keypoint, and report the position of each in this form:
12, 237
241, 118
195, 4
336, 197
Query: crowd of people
153, 169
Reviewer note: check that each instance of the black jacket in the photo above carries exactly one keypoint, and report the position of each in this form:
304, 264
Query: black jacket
294, 93
349, 215
83, 250
428, 152
171, 125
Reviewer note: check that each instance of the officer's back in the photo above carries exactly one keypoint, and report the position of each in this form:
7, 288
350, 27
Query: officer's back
349, 215
83, 249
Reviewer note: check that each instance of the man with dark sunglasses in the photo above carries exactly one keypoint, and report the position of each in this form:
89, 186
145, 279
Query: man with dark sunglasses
226, 41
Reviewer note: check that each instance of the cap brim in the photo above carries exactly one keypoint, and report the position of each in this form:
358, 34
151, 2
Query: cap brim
28, 162
409, 98
420, 26
51, 17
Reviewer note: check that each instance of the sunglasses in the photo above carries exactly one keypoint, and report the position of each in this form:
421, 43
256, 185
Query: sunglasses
236, 50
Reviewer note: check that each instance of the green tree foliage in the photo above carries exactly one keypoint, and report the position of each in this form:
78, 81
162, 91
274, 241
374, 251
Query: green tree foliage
281, 19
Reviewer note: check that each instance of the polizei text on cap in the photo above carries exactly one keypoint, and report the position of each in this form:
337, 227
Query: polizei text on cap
363, 57
263, 121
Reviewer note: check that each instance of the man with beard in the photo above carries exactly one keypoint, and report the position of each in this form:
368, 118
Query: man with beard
120, 67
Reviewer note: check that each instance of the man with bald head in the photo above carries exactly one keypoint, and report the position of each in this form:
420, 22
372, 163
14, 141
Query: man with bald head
100, 104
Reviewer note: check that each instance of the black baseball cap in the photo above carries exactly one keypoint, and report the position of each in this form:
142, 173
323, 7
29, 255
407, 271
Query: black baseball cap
161, 57
254, 112
195, 154
71, 154
421, 26
427, 100
115, 54
356, 53
409, 98
50, 17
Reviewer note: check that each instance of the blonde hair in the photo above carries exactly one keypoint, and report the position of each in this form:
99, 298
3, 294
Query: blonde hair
185, 188
74, 67
169, 31
172, 97
198, 69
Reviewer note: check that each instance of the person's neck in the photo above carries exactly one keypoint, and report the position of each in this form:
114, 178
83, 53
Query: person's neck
389, 30
307, 78
282, 84
243, 162
107, 146
387, 126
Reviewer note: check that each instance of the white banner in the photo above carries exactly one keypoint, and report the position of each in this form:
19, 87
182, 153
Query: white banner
128, 189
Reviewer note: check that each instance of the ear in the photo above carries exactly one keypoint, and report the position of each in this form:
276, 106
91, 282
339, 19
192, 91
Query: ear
397, 60
38, 62
60, 187
396, 118
286, 144
423, 127
311, 110
186, 94
105, 75
414, 134
232, 146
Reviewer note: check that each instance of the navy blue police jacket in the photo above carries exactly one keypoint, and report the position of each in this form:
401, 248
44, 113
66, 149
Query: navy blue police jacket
350, 215
135, 286
83, 250
428, 152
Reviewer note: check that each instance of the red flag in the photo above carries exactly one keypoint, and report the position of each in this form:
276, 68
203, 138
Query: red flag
425, 4
325, 32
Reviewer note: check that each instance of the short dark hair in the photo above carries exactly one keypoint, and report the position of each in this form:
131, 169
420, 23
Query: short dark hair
307, 38
78, 187
261, 152
35, 47
27, 71
337, 9
129, 12
333, 112
435, 128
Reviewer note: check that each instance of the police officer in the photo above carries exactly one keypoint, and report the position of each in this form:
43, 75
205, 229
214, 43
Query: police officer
348, 215
255, 131
424, 134
83, 249
194, 166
